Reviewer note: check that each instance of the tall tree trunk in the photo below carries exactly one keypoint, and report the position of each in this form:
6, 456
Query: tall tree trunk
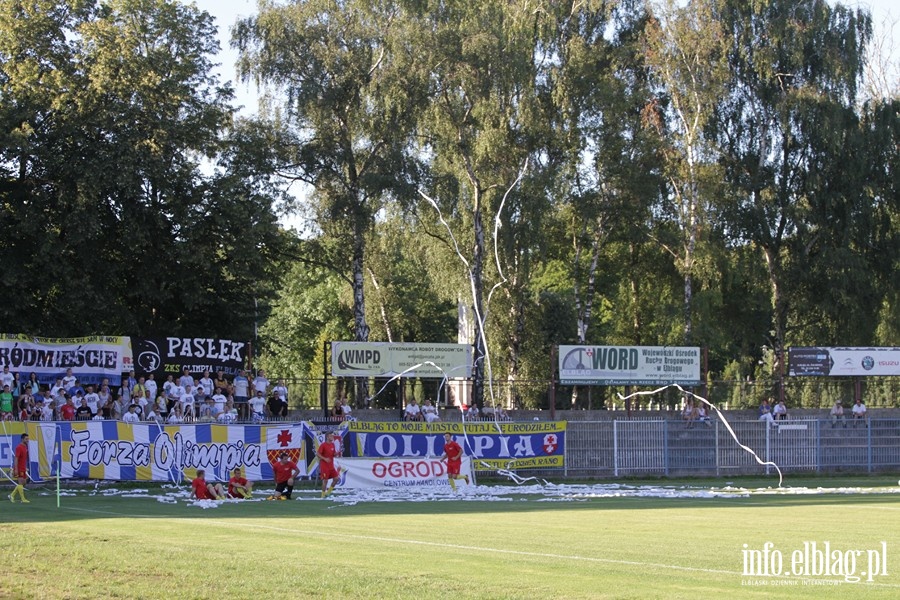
360, 326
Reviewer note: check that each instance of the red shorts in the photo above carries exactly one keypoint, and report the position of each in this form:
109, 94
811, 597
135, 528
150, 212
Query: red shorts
327, 471
453, 467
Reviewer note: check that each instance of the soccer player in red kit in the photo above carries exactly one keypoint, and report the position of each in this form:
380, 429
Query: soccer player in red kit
201, 490
20, 469
327, 469
285, 471
453, 453
239, 487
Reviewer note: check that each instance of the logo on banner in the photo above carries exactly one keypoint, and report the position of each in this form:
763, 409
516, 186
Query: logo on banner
283, 439
551, 443
148, 360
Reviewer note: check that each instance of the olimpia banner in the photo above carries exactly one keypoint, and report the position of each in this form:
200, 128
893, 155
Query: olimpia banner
529, 445
91, 359
385, 359
115, 450
629, 365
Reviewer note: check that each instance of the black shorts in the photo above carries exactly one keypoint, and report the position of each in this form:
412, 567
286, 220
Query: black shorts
281, 486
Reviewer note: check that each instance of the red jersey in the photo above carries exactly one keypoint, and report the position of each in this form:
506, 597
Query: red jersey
21, 464
200, 489
284, 470
327, 450
236, 481
454, 457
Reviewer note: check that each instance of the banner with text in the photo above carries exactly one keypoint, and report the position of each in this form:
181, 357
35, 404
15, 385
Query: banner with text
147, 452
529, 445
385, 359
843, 362
169, 355
426, 474
91, 358
629, 365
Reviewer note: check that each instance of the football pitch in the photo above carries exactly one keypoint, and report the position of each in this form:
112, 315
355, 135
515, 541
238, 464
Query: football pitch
734, 538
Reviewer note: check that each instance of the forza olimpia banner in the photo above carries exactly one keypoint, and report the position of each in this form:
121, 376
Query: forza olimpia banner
148, 452
531, 445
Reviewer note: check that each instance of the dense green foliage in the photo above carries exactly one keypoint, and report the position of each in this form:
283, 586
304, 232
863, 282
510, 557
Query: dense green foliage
605, 172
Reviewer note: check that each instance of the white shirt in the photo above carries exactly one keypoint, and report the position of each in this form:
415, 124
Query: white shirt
859, 409
186, 380
92, 400
412, 409
219, 400
257, 403
174, 418
150, 384
281, 392
7, 379
68, 381
207, 384
186, 400
131, 417
261, 384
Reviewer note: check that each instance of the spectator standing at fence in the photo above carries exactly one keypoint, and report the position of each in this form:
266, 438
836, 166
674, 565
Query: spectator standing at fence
150, 384
92, 399
765, 412
859, 411
68, 379
187, 403
67, 410
837, 414
222, 383
6, 404
132, 415
258, 408
7, 378
472, 412
280, 391
260, 383
219, 400
186, 378
82, 410
780, 411
176, 417
453, 454
241, 392
206, 382
276, 409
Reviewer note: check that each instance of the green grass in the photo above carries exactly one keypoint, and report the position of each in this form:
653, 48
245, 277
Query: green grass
114, 547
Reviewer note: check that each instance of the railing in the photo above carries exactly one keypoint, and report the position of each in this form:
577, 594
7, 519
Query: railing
799, 392
624, 448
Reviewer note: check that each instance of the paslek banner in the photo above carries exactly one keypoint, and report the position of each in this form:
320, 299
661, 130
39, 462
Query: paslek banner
119, 451
427, 474
170, 355
529, 445
92, 359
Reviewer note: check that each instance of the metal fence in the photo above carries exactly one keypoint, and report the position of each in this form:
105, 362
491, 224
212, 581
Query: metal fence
625, 448
799, 392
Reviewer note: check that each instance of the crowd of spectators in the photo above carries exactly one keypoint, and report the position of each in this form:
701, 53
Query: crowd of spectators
187, 399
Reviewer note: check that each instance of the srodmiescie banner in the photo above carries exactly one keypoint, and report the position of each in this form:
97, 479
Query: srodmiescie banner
91, 359
525, 445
